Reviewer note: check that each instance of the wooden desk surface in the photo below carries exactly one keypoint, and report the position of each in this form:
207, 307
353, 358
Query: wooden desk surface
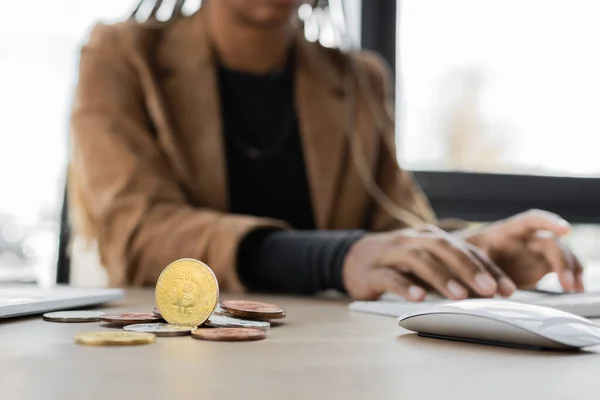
322, 351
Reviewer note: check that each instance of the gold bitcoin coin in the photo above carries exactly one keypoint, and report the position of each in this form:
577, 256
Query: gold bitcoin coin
109, 338
186, 292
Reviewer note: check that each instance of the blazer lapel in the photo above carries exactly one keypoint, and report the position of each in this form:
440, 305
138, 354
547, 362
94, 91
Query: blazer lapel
320, 107
190, 86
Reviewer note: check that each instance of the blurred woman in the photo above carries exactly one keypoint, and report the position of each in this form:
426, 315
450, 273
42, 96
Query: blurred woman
227, 137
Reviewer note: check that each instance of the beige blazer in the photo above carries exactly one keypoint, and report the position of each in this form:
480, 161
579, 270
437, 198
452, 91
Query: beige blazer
148, 179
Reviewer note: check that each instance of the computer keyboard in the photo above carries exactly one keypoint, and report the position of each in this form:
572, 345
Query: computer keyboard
582, 304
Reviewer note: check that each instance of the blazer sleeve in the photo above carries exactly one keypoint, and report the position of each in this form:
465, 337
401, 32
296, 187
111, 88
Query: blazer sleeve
396, 184
142, 218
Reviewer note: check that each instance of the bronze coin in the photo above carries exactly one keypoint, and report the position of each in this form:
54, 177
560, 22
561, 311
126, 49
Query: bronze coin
129, 318
156, 313
229, 334
253, 309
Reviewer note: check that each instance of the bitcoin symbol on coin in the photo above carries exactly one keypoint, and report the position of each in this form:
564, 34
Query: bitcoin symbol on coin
186, 293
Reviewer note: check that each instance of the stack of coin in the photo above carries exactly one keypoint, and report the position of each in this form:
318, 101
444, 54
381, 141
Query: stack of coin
186, 295
239, 320
253, 310
222, 319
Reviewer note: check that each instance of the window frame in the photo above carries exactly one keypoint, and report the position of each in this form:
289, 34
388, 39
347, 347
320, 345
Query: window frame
487, 197
475, 196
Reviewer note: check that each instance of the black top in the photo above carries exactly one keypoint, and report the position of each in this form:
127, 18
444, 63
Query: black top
267, 178
258, 113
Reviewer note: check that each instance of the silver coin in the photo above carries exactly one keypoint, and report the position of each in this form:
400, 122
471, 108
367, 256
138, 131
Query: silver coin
220, 310
161, 329
73, 316
225, 321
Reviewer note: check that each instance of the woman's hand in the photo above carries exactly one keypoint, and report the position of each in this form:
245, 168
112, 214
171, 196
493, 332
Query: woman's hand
409, 262
527, 247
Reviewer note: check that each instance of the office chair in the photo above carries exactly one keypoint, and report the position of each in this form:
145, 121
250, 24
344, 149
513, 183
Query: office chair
63, 268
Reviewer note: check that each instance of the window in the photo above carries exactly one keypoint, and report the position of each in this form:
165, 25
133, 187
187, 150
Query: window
509, 86
39, 46
503, 86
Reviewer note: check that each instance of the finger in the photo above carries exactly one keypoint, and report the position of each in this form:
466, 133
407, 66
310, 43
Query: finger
579, 286
551, 251
454, 253
388, 280
527, 223
466, 267
577, 267
428, 269
506, 286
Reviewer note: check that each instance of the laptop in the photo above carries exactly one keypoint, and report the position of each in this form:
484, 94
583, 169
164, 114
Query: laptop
18, 300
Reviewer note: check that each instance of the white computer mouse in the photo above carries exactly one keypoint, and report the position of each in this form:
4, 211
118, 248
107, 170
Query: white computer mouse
505, 323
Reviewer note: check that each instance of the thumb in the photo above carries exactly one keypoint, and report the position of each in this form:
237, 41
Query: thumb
529, 222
